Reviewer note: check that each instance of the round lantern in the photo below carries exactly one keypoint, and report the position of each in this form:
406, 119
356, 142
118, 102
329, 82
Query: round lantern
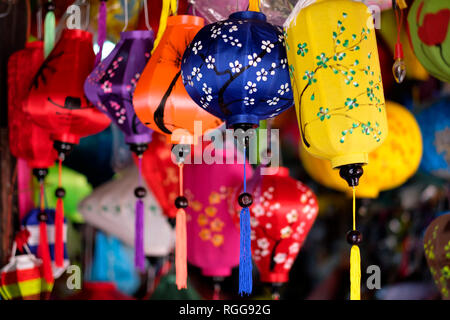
282, 214
335, 73
212, 237
428, 24
390, 166
434, 123
26, 139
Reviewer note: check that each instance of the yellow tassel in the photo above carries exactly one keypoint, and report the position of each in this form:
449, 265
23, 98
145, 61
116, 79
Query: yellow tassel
355, 273
168, 7
253, 5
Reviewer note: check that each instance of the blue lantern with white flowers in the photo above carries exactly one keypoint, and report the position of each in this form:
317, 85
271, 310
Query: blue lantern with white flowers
237, 69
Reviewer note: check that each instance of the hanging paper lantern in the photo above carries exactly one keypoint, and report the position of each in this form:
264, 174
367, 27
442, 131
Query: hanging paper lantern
435, 126
31, 222
238, 78
22, 278
436, 243
110, 208
390, 166
335, 73
160, 99
212, 238
26, 139
56, 102
160, 174
282, 214
428, 24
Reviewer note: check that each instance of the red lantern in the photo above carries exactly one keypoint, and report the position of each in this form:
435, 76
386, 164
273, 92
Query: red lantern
282, 213
56, 101
161, 173
26, 139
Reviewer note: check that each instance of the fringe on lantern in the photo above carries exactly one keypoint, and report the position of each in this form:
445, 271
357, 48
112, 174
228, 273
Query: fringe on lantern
355, 273
139, 255
44, 252
59, 228
49, 33
180, 250
101, 30
245, 255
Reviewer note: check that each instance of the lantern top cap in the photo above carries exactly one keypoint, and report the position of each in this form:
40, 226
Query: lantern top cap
137, 34
77, 34
185, 19
248, 15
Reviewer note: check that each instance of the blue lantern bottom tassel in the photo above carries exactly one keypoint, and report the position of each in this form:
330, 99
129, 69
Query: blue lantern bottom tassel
245, 255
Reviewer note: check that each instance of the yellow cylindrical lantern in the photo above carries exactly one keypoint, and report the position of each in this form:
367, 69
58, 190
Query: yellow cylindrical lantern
335, 74
391, 165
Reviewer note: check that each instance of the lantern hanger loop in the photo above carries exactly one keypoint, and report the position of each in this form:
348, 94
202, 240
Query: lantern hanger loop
147, 23
8, 9
125, 13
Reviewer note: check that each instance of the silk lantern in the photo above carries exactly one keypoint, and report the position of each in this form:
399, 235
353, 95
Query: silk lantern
428, 26
436, 243
212, 237
56, 102
390, 166
336, 79
110, 87
434, 124
281, 216
161, 103
241, 80
110, 208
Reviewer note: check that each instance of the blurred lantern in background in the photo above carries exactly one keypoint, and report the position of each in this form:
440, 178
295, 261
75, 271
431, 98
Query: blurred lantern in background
282, 214
110, 208
428, 24
110, 87
212, 237
390, 165
435, 126
57, 103
241, 80
335, 73
436, 243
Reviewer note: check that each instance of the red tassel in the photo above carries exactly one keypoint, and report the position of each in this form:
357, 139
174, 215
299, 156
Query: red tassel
44, 252
59, 226
180, 250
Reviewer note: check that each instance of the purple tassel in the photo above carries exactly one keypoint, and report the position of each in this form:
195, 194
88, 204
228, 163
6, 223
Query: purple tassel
139, 256
101, 24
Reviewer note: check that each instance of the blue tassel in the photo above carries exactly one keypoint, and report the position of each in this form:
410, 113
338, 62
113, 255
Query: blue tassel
245, 254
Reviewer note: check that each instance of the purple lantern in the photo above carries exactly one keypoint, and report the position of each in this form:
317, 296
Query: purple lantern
110, 87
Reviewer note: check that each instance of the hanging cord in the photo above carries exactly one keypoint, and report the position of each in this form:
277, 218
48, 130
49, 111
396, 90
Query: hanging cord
125, 13
245, 256
8, 10
101, 30
168, 7
147, 22
43, 248
140, 192
217, 287
181, 202
399, 68
60, 192
354, 238
49, 29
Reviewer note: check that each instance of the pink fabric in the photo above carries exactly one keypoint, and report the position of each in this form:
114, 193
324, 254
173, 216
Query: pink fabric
24, 188
212, 237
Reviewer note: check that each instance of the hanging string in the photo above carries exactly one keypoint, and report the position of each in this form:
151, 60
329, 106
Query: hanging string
101, 30
139, 192
59, 220
245, 256
49, 29
43, 248
180, 233
125, 13
147, 22
354, 238
168, 7
217, 290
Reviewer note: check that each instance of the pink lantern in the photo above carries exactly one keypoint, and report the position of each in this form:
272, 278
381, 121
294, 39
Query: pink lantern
212, 236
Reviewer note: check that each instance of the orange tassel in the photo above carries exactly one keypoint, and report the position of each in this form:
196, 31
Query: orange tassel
44, 253
59, 224
180, 250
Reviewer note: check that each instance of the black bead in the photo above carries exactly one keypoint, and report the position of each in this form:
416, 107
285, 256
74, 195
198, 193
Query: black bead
245, 200
140, 192
60, 192
354, 237
139, 149
351, 173
42, 216
40, 173
50, 6
63, 149
181, 202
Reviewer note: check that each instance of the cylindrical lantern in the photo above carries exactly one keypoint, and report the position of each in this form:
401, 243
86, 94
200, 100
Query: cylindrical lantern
434, 123
282, 214
212, 237
390, 166
428, 25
